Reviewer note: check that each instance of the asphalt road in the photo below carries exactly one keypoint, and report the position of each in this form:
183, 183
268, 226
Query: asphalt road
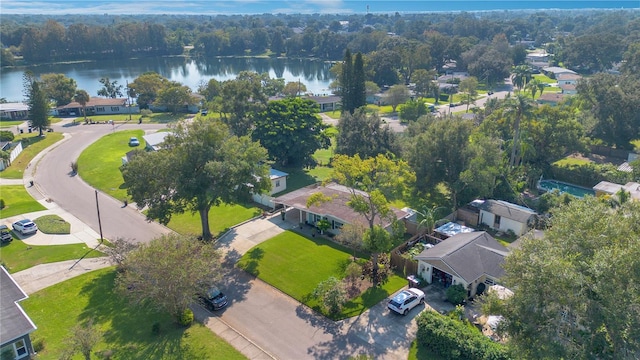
54, 180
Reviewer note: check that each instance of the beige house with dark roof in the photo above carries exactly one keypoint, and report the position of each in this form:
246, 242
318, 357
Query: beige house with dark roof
98, 106
336, 211
473, 260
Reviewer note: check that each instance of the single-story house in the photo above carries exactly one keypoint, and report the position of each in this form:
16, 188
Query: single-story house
551, 99
278, 181
193, 108
473, 260
154, 141
15, 324
326, 103
537, 57
377, 99
505, 216
605, 188
98, 106
568, 89
336, 211
556, 70
14, 111
568, 78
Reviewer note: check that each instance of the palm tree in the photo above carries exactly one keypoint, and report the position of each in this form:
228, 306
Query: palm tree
82, 97
521, 76
428, 218
520, 106
534, 86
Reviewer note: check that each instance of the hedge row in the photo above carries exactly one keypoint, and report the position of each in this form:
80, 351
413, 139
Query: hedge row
588, 175
452, 339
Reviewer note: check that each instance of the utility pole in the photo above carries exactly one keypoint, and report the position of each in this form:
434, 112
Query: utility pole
129, 101
99, 222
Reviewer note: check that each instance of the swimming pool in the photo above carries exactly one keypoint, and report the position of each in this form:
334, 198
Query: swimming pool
563, 187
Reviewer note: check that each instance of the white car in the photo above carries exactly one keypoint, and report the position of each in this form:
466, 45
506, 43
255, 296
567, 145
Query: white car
406, 300
25, 226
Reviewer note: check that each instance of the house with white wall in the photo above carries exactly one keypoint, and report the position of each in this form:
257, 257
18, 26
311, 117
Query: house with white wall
505, 216
15, 324
473, 260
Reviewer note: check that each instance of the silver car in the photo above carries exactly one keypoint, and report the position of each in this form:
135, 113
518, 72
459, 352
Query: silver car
406, 300
25, 226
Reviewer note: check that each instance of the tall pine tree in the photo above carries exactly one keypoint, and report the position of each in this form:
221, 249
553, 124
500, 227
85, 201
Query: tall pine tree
38, 103
345, 81
359, 90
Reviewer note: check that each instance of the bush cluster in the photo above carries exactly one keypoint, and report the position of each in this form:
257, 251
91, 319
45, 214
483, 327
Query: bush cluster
186, 318
588, 175
452, 339
456, 294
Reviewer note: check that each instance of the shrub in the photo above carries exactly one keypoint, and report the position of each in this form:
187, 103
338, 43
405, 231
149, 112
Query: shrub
6, 135
38, 345
2, 204
155, 329
452, 339
186, 318
456, 294
332, 294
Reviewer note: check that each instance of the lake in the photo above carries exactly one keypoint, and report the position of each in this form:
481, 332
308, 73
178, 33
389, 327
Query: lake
191, 72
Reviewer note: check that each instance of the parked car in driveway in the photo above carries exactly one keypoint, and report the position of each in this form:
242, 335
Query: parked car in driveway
133, 141
5, 235
406, 300
25, 227
214, 299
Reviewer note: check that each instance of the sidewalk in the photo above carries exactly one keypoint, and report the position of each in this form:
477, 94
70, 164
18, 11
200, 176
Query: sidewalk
42, 276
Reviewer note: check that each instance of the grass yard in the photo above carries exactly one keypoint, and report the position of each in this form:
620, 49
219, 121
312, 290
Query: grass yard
158, 118
99, 164
314, 260
17, 201
220, 218
32, 146
17, 255
4, 124
571, 161
52, 224
126, 330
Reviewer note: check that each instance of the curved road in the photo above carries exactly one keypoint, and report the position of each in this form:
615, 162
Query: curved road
54, 181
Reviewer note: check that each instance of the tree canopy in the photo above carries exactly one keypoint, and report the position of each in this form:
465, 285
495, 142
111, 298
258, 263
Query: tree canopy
576, 288
291, 131
200, 165
38, 103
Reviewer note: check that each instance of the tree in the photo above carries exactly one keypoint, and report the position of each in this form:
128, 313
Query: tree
381, 179
469, 86
58, 88
396, 95
520, 106
352, 81
110, 89
424, 82
535, 86
83, 338
169, 272
412, 110
240, 100
202, 165
175, 96
521, 76
147, 86
365, 135
428, 217
332, 294
576, 289
290, 130
294, 88
82, 97
37, 102
351, 236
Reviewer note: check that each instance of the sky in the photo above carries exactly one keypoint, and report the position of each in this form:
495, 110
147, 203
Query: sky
215, 7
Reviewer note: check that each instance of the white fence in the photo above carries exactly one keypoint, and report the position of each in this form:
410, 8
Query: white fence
264, 200
12, 156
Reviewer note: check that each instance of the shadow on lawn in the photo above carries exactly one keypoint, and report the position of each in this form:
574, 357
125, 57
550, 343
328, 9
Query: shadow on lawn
130, 335
251, 265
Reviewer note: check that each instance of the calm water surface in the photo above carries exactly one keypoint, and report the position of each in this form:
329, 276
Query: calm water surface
191, 72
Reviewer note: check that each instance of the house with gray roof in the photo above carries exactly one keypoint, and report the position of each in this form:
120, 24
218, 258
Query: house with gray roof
15, 324
473, 260
335, 211
154, 141
505, 216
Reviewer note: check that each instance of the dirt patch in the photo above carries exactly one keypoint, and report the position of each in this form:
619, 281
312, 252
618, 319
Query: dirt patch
595, 158
358, 287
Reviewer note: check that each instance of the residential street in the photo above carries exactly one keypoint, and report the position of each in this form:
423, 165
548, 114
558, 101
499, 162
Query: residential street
277, 325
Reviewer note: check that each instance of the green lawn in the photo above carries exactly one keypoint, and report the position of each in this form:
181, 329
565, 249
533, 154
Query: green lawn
160, 118
126, 329
296, 264
52, 224
220, 218
636, 144
99, 164
9, 123
18, 256
570, 161
17, 201
32, 146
